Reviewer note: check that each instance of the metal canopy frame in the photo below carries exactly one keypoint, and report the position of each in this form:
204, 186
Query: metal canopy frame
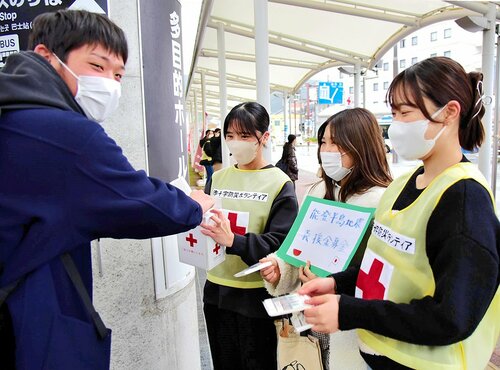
297, 51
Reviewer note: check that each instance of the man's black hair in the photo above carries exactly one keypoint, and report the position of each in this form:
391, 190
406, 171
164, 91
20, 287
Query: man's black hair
66, 30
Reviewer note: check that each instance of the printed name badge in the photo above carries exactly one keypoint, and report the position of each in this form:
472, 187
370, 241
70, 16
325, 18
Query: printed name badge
397, 241
326, 233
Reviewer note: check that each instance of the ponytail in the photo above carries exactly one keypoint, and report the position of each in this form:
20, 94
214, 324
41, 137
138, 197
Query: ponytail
471, 131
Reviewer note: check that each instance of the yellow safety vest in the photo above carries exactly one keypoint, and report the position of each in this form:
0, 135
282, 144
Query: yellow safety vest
253, 192
398, 257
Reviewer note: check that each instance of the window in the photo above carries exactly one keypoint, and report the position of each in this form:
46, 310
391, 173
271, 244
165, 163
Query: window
402, 63
386, 85
434, 36
351, 90
414, 40
277, 122
434, 55
375, 86
447, 33
386, 66
447, 54
414, 60
402, 43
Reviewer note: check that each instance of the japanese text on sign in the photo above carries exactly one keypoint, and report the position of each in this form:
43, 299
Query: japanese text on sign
327, 233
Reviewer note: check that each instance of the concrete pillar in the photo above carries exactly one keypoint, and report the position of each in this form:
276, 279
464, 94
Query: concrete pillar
148, 333
262, 62
488, 69
221, 46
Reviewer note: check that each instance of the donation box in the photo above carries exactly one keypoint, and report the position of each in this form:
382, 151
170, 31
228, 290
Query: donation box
199, 250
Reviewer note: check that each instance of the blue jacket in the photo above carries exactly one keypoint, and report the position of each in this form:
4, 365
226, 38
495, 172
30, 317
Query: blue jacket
63, 183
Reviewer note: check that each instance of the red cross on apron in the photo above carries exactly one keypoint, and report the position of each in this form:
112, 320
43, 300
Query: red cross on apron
238, 230
369, 283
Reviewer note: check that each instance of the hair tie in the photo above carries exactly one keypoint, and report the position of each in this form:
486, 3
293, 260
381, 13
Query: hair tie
482, 100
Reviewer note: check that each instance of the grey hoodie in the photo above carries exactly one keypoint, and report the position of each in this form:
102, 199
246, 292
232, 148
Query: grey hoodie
29, 81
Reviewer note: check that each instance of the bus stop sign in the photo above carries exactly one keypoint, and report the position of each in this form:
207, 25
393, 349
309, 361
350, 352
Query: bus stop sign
16, 17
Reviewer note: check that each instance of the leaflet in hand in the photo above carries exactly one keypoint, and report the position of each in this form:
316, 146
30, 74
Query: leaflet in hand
286, 304
256, 267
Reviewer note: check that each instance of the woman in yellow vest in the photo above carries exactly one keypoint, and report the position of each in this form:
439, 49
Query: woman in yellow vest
354, 170
426, 295
260, 205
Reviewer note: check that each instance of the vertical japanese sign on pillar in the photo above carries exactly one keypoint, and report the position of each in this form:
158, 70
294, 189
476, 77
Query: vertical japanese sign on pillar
16, 17
161, 40
166, 129
178, 86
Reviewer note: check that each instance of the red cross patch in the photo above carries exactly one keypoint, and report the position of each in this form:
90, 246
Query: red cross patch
374, 277
238, 221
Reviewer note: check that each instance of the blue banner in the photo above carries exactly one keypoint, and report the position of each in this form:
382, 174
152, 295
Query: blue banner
330, 93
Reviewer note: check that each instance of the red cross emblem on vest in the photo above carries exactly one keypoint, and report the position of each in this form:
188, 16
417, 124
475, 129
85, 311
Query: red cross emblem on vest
374, 277
233, 221
216, 249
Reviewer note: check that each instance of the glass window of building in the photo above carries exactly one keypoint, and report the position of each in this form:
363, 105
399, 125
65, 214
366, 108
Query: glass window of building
351, 90
433, 55
386, 85
414, 60
402, 63
386, 66
414, 40
375, 86
447, 54
447, 33
434, 36
402, 43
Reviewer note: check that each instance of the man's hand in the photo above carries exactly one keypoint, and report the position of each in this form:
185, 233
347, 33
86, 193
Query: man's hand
206, 201
272, 273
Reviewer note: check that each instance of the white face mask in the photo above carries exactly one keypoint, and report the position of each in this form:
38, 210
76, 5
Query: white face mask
243, 152
408, 137
97, 96
332, 165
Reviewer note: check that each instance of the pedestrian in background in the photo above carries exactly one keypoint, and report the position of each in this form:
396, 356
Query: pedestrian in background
289, 159
216, 150
206, 155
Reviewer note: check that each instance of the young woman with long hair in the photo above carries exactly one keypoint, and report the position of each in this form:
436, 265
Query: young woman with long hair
354, 170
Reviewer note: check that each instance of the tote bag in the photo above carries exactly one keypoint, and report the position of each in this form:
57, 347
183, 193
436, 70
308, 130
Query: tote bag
296, 352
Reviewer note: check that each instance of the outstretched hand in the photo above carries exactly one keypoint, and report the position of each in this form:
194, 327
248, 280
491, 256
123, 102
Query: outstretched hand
318, 286
205, 201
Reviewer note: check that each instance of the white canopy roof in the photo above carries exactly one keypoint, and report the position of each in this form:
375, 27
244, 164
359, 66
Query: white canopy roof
305, 37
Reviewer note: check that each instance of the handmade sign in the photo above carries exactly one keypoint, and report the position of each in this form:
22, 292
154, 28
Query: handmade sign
327, 233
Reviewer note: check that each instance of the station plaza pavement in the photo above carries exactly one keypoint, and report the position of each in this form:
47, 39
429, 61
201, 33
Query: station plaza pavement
307, 163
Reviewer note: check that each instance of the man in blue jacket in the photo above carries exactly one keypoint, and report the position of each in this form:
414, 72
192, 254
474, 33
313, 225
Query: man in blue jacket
64, 182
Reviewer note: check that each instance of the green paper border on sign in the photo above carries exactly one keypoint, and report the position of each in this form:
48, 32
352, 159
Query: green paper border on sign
287, 243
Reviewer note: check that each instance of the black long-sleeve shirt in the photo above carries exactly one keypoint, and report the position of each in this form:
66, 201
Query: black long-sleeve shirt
463, 251
251, 248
